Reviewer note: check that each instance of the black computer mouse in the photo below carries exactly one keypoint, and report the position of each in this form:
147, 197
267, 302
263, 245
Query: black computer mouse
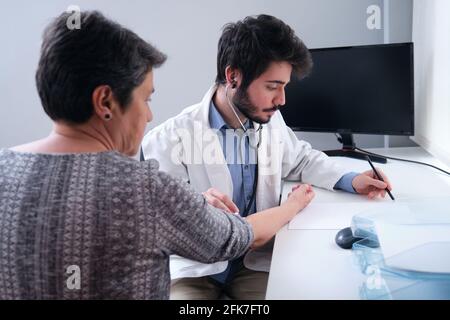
345, 239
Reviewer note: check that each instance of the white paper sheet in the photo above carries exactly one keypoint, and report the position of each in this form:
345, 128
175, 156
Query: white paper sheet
332, 216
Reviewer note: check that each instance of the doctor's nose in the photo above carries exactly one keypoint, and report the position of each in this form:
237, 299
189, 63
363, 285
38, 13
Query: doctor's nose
280, 99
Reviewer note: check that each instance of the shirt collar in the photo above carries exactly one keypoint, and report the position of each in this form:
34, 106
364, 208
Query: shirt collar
216, 120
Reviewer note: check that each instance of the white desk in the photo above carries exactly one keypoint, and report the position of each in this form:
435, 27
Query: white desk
307, 264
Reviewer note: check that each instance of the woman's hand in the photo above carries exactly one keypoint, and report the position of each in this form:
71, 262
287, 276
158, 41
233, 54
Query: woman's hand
301, 196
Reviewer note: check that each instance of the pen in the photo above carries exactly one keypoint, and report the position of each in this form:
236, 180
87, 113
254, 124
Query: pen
379, 177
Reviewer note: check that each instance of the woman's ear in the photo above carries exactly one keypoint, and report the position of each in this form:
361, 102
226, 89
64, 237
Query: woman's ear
103, 101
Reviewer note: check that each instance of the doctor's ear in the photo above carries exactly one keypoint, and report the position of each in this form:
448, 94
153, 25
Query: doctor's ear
232, 77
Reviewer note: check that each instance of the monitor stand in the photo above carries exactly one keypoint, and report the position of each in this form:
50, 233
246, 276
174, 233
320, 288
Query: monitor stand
348, 150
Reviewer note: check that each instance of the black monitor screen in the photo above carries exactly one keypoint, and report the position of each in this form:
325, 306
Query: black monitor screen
364, 89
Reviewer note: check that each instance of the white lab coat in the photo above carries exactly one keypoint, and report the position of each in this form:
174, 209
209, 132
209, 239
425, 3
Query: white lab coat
179, 143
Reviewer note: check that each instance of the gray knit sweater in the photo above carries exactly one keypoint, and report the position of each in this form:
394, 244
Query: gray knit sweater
102, 226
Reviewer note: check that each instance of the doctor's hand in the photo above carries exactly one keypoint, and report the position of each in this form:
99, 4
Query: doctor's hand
368, 184
220, 200
301, 196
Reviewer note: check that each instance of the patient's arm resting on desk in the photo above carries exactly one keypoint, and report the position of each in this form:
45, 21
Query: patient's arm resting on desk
266, 223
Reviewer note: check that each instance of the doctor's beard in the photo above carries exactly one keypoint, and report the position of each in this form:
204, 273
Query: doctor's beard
242, 102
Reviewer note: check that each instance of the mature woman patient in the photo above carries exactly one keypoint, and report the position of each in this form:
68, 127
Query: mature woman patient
81, 219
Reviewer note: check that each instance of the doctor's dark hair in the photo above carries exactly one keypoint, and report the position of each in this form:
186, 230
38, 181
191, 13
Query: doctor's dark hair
252, 44
74, 63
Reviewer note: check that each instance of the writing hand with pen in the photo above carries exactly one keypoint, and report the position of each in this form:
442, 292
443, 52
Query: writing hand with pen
369, 183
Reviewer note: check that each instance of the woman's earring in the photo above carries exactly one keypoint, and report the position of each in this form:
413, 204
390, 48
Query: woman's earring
108, 116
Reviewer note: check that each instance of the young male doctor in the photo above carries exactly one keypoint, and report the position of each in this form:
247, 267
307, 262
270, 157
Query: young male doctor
235, 147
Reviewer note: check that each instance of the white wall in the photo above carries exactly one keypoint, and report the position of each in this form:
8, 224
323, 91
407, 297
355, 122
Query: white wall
188, 32
431, 36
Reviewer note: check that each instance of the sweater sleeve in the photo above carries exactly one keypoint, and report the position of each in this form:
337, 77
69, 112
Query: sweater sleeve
186, 225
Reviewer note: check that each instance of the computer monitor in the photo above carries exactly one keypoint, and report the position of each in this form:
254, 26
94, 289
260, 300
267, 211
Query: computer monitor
359, 89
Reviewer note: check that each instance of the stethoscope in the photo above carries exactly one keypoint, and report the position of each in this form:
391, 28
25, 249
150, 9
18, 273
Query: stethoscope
233, 109
245, 130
